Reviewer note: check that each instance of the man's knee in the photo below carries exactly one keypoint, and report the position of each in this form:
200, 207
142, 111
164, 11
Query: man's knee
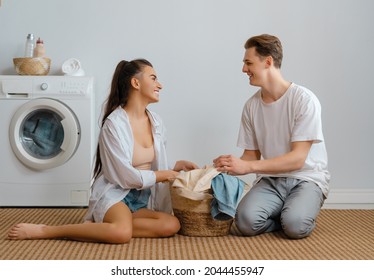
296, 226
246, 223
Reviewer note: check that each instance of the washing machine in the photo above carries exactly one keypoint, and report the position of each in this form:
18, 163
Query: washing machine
47, 141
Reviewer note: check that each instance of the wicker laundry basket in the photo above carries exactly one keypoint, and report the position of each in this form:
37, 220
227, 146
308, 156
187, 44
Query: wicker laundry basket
195, 217
37, 66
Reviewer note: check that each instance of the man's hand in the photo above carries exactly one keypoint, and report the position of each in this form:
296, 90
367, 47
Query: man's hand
232, 165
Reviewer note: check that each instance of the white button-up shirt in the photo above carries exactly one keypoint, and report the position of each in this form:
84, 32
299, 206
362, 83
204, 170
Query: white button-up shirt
118, 176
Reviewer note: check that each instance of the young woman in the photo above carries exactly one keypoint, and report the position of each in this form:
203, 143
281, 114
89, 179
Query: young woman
130, 195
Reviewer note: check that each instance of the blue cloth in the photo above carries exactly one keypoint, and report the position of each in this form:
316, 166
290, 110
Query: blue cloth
137, 199
43, 134
227, 191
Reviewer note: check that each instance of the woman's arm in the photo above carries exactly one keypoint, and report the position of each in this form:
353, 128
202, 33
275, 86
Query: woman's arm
165, 175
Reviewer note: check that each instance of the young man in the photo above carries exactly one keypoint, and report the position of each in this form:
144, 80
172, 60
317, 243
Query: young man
281, 134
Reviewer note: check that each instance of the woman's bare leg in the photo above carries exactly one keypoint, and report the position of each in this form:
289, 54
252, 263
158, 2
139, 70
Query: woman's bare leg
116, 228
148, 223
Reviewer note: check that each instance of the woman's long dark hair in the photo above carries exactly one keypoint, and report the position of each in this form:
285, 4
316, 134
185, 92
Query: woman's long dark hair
119, 94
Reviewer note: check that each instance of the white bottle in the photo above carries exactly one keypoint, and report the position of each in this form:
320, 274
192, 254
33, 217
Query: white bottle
29, 47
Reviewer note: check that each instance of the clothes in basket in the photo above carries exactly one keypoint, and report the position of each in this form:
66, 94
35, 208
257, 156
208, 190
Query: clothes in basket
225, 190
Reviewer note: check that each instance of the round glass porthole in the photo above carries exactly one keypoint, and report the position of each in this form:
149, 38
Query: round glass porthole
44, 133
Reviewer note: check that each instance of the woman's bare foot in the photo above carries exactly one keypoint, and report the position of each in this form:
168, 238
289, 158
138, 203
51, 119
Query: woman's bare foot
26, 231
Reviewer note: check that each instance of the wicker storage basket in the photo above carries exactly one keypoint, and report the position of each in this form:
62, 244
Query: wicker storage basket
195, 217
37, 66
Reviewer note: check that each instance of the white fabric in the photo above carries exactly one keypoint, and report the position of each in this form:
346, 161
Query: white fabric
270, 128
118, 176
72, 67
195, 184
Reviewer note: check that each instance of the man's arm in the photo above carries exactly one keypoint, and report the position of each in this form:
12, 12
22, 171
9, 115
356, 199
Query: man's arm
250, 161
251, 155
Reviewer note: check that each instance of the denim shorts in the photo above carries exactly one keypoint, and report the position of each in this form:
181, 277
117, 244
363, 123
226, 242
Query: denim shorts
137, 199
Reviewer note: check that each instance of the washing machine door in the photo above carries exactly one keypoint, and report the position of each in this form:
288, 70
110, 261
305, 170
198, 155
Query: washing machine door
44, 133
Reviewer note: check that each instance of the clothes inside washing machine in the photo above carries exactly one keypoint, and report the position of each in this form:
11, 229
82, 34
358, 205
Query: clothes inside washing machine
42, 134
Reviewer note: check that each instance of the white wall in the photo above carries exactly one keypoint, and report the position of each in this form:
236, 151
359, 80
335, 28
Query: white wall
196, 47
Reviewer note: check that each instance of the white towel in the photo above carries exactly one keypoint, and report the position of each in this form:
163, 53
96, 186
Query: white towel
72, 67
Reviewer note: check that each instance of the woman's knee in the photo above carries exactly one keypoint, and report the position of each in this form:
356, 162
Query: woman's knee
169, 226
119, 224
119, 234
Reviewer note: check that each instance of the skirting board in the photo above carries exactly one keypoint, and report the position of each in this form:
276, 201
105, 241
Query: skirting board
350, 199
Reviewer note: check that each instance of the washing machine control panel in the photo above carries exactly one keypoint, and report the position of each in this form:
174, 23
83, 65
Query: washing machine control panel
73, 87
62, 86
67, 86
42, 86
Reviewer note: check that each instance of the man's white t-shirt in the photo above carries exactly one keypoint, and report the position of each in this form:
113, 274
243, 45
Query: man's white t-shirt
270, 128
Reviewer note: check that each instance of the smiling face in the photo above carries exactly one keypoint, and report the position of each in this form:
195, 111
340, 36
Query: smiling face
148, 85
254, 66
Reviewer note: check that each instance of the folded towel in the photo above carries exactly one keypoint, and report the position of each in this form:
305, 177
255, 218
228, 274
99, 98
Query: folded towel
72, 67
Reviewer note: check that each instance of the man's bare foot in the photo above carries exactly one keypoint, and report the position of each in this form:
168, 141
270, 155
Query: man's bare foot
26, 231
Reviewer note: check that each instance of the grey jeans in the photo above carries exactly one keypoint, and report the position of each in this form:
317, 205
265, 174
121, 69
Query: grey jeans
276, 203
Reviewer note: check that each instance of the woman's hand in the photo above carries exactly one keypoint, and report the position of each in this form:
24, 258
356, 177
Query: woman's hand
170, 175
166, 175
184, 165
